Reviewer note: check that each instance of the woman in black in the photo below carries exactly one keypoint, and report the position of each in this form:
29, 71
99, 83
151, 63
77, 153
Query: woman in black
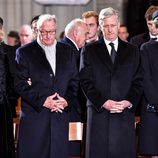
6, 124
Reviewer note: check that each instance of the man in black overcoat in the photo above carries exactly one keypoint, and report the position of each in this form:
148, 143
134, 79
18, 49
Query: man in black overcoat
47, 81
111, 80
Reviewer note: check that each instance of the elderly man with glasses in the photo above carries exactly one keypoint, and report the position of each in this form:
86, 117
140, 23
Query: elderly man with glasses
47, 98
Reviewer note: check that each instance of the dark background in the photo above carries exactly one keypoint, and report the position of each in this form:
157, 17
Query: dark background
136, 9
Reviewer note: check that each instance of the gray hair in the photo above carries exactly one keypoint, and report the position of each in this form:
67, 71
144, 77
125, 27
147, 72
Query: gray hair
26, 27
43, 18
73, 25
106, 13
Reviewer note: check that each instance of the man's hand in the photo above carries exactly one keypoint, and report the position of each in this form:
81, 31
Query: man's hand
55, 103
49, 102
29, 81
115, 106
60, 104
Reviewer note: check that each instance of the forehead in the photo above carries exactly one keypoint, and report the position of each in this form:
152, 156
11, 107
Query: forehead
91, 19
49, 24
110, 20
25, 30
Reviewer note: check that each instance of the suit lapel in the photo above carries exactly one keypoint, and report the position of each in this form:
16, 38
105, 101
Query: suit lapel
104, 54
41, 57
58, 60
121, 52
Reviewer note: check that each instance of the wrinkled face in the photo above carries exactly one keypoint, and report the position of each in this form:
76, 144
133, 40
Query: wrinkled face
152, 28
123, 33
92, 27
109, 27
81, 35
47, 32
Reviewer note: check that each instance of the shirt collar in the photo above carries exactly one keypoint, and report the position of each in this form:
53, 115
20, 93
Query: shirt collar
115, 43
47, 47
151, 36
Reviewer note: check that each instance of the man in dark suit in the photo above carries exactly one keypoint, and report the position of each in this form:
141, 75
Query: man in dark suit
144, 37
111, 80
149, 115
52, 71
140, 39
75, 35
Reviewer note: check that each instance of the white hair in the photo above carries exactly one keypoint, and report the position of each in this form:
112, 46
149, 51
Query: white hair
72, 25
106, 13
26, 27
43, 18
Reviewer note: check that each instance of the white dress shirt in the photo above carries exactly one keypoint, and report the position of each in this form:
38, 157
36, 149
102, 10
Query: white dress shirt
50, 52
109, 47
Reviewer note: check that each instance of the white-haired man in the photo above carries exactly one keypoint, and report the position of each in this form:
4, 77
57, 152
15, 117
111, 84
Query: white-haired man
46, 100
26, 35
75, 35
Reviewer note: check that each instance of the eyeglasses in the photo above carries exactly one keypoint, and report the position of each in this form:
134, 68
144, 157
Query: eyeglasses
44, 33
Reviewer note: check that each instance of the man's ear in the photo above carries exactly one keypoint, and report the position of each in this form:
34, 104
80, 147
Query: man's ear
75, 33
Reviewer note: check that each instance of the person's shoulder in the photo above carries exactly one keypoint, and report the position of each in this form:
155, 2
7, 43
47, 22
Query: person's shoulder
95, 44
149, 44
7, 48
138, 40
27, 49
128, 44
140, 36
29, 45
63, 45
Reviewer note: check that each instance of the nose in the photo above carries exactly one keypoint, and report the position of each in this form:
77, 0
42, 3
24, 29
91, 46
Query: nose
109, 28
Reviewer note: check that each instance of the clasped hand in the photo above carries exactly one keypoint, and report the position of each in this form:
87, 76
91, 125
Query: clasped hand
55, 103
116, 106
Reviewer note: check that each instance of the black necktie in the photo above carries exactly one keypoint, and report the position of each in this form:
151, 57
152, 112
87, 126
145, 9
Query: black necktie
113, 52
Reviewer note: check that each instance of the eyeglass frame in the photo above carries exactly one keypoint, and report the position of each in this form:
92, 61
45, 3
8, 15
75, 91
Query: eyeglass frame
44, 32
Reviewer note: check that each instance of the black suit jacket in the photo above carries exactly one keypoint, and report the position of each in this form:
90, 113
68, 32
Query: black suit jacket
48, 131
65, 40
81, 111
138, 40
149, 120
11, 51
69, 42
6, 123
101, 80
